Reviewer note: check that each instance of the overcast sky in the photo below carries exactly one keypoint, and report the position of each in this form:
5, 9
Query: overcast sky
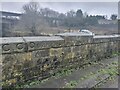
94, 8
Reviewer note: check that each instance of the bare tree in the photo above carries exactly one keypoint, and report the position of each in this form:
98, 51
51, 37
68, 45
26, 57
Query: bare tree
31, 20
113, 17
46, 12
31, 7
71, 13
31, 16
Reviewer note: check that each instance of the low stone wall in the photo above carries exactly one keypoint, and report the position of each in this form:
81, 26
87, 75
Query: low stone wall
28, 58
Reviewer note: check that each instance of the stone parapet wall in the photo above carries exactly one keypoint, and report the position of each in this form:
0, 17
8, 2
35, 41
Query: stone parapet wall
28, 58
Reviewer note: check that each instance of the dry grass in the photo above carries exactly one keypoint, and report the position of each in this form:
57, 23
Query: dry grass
55, 30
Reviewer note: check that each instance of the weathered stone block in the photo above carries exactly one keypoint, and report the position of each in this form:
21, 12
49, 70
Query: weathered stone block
35, 43
56, 51
40, 53
12, 44
76, 38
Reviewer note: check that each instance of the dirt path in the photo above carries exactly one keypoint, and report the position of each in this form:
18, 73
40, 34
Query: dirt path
79, 75
111, 83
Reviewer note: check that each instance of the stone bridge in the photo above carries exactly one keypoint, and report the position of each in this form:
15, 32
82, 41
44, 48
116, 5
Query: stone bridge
29, 58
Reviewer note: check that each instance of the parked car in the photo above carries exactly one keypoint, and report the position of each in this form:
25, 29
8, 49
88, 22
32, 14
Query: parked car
87, 32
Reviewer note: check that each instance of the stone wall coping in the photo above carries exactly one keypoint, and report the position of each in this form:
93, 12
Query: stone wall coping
73, 34
106, 36
24, 44
42, 38
6, 40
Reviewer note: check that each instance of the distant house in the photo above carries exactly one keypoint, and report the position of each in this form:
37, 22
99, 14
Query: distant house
105, 21
9, 19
